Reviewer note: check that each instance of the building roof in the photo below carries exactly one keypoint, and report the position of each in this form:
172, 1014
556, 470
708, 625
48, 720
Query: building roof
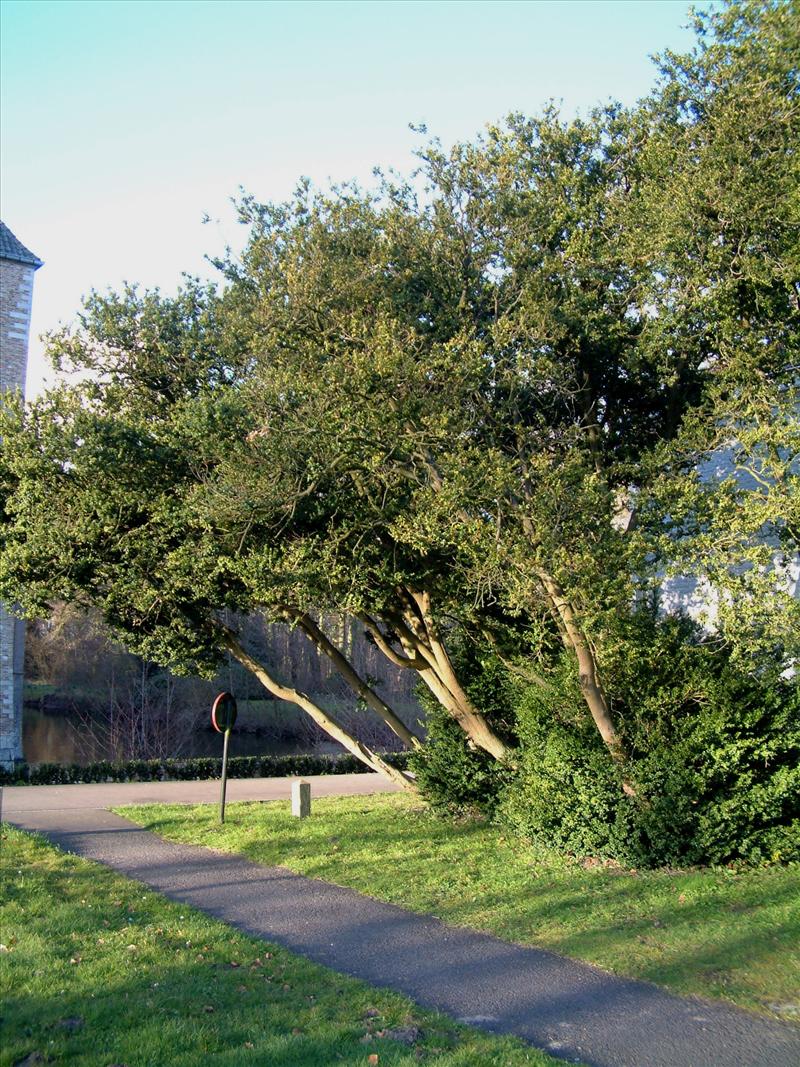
11, 248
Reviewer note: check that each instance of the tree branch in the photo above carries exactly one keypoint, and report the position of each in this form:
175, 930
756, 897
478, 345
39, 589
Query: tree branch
304, 621
322, 718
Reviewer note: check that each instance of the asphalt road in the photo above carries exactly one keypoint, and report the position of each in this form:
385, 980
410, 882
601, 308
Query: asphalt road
17, 799
572, 1010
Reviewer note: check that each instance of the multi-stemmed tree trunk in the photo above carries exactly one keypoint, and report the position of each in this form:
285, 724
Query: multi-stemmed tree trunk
422, 649
341, 663
324, 719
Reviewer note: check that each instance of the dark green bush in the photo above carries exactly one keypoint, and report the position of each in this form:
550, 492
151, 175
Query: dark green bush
193, 769
566, 794
724, 783
715, 759
453, 775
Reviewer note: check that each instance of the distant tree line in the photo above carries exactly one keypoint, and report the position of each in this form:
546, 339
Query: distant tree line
122, 707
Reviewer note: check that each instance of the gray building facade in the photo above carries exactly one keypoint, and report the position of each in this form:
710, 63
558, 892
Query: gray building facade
17, 268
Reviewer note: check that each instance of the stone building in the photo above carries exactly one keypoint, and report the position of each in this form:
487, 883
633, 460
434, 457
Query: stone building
17, 267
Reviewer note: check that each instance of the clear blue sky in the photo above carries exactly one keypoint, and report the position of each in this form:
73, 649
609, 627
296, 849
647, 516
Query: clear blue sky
123, 123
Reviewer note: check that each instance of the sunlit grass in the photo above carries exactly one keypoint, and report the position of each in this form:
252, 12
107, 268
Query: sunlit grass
96, 970
730, 934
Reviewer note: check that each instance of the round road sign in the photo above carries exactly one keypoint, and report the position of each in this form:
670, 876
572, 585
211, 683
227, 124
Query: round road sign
223, 714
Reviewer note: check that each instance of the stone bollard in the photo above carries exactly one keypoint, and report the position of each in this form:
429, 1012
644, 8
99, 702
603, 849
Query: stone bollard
301, 798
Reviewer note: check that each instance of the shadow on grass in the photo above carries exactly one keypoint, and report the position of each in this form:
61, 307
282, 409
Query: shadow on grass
199, 1015
707, 946
106, 972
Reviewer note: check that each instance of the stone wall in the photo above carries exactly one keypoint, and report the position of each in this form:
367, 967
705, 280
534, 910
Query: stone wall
16, 293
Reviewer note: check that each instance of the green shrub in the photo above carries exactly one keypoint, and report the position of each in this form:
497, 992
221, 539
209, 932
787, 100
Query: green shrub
566, 794
452, 774
724, 783
715, 759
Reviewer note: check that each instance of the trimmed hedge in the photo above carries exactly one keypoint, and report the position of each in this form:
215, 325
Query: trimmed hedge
194, 769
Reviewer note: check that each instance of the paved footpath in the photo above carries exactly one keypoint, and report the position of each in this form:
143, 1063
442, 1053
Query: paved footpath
572, 1010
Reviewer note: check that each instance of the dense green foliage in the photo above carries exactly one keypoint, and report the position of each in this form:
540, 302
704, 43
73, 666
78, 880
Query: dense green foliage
715, 756
506, 398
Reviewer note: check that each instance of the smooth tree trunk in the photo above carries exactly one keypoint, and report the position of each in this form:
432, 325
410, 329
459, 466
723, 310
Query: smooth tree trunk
467, 715
345, 668
573, 637
425, 652
576, 641
325, 720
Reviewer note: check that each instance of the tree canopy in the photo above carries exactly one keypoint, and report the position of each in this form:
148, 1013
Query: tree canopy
482, 401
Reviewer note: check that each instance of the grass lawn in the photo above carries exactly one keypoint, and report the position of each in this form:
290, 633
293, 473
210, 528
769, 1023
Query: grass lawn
98, 971
719, 933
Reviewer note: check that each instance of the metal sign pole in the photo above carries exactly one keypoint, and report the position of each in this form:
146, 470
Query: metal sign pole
223, 717
224, 783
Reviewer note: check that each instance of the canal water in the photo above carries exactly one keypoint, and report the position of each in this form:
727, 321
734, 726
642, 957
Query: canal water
64, 738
